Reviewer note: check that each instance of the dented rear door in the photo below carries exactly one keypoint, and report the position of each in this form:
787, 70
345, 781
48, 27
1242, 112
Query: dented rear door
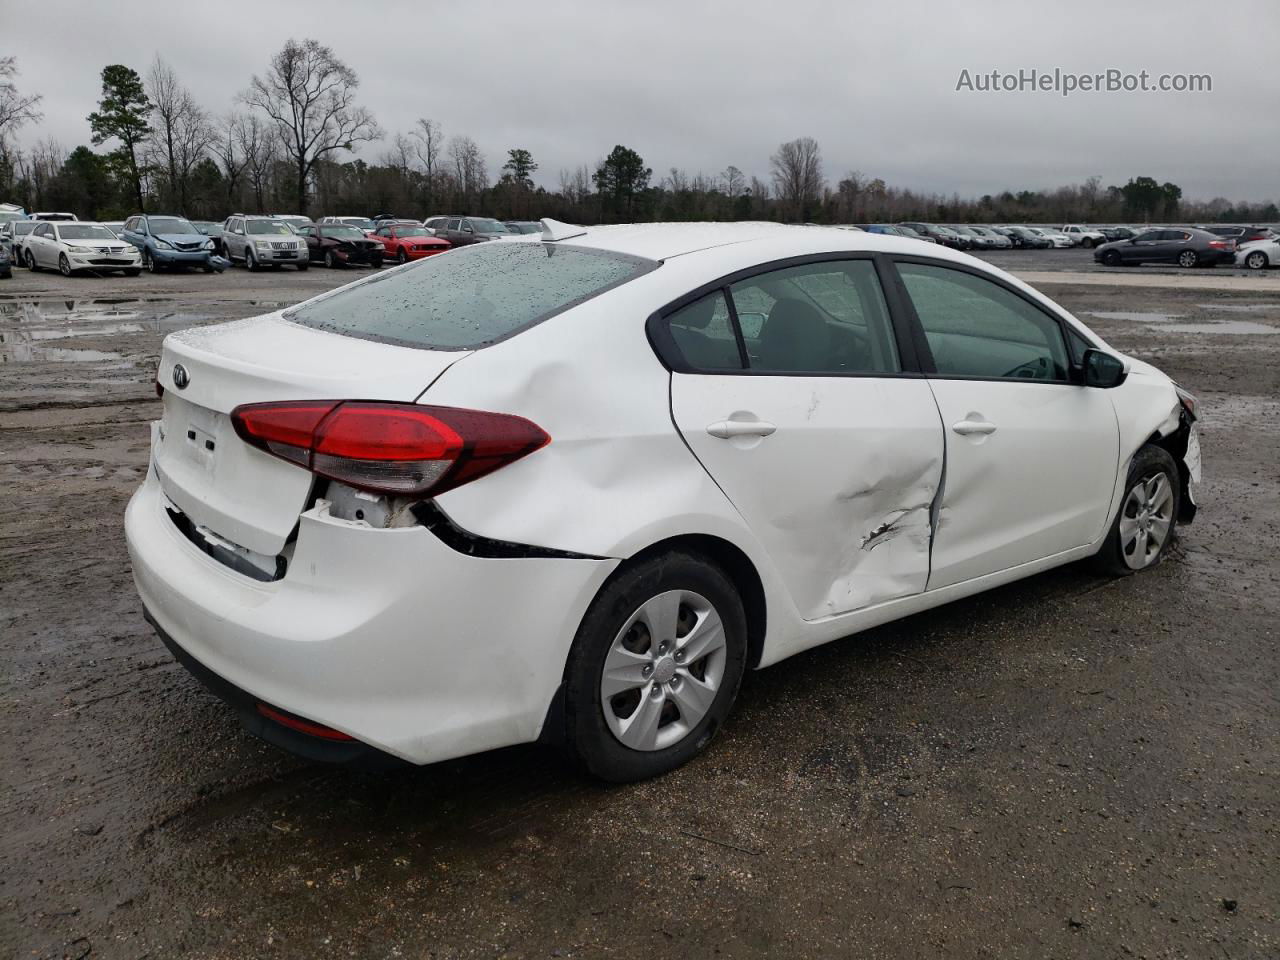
831, 455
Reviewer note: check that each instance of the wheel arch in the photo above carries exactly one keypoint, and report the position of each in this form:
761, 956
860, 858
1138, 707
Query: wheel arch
736, 565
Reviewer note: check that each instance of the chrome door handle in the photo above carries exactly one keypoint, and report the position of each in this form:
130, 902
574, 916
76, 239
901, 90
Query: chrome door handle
724, 429
966, 427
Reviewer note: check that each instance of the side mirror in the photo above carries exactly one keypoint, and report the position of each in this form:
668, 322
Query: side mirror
1103, 369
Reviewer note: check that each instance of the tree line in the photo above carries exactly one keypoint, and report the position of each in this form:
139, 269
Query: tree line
288, 146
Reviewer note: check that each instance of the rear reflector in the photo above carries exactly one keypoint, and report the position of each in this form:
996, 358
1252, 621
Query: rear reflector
400, 448
300, 725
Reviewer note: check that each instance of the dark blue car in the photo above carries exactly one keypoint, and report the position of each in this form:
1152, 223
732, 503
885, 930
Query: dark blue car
167, 241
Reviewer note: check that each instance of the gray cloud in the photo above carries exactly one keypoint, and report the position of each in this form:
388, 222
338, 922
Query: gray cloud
703, 85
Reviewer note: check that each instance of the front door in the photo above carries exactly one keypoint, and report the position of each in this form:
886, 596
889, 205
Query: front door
1031, 455
795, 406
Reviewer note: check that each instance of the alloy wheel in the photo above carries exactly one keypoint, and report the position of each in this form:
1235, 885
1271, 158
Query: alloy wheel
1256, 260
1145, 521
663, 670
1187, 258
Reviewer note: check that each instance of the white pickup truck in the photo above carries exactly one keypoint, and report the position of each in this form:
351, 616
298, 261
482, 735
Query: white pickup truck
1083, 236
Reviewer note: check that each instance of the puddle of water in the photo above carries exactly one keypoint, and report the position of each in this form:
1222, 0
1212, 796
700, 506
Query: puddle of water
1239, 307
37, 353
1234, 327
1136, 317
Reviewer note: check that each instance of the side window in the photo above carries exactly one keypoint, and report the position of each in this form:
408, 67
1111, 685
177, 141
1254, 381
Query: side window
1148, 235
383, 231
44, 230
455, 224
703, 332
1078, 345
817, 318
976, 328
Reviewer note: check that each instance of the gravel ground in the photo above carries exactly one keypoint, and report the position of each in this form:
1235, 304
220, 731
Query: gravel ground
1064, 767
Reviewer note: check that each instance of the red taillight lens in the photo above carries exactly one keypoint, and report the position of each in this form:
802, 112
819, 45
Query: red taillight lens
402, 448
302, 726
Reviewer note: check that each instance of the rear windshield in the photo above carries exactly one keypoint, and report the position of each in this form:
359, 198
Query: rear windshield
471, 297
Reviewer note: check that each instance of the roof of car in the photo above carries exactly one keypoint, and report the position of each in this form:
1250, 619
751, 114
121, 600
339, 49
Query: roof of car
663, 241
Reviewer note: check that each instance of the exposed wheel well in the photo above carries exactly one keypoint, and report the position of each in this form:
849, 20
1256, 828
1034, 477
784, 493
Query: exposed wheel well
740, 570
1176, 445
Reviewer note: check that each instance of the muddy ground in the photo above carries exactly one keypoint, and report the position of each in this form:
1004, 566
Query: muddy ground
1065, 767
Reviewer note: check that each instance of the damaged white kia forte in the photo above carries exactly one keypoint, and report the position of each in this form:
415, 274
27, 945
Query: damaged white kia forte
571, 487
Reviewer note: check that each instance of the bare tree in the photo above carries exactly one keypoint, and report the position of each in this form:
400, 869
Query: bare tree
468, 167
260, 147
310, 96
228, 150
16, 108
797, 176
183, 132
735, 181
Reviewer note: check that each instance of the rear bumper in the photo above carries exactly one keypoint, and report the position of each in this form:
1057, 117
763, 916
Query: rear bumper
389, 636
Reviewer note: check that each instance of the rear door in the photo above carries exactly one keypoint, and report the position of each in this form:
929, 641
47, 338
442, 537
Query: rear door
1031, 457
788, 386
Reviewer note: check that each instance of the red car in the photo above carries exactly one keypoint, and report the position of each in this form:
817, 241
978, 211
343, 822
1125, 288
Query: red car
408, 241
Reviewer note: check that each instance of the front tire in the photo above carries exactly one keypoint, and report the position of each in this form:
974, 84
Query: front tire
1111, 259
1147, 521
64, 265
31, 263
1257, 260
330, 260
401, 257
250, 261
654, 668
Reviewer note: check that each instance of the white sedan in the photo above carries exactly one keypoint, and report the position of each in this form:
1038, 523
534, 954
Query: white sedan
571, 487
73, 246
1059, 239
1259, 254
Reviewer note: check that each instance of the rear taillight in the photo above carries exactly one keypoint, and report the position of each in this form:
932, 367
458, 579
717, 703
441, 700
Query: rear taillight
399, 448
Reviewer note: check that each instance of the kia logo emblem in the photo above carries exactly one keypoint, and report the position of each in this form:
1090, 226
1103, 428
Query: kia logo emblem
180, 376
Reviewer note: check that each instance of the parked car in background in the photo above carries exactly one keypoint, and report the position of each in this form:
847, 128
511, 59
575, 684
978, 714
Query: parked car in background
523, 226
1117, 233
259, 241
408, 240
939, 234
12, 233
905, 231
72, 246
6, 264
976, 240
1082, 236
1185, 246
295, 220
166, 242
211, 230
115, 226
463, 231
360, 223
343, 567
342, 245
1057, 239
53, 215
1024, 238
1241, 235
998, 240
12, 211
1259, 254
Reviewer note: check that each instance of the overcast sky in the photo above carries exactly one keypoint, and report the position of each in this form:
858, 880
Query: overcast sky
700, 85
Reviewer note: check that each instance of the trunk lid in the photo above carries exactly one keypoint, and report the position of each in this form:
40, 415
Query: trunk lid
240, 493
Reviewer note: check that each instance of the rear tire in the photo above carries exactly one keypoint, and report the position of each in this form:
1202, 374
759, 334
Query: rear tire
1188, 258
673, 691
1146, 522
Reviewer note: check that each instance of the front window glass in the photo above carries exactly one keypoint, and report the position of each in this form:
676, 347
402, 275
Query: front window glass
84, 231
475, 296
163, 225
976, 328
272, 228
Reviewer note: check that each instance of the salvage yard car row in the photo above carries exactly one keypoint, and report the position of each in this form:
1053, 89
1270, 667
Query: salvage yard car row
58, 241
